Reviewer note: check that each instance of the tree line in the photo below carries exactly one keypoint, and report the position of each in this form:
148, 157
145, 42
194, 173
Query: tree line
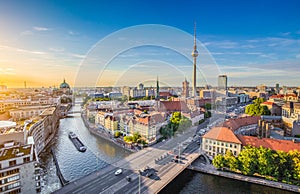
270, 164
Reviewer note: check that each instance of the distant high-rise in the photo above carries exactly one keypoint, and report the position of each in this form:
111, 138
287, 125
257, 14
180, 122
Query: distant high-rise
194, 55
157, 89
277, 88
222, 82
185, 89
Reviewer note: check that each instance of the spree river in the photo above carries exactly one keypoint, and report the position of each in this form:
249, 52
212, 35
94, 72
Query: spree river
100, 152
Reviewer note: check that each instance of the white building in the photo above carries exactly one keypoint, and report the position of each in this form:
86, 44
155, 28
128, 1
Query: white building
18, 169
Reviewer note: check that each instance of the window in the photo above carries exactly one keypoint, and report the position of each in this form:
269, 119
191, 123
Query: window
222, 144
226, 144
230, 145
234, 146
12, 163
27, 159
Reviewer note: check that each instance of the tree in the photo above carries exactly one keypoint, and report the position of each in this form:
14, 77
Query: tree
295, 157
117, 134
219, 161
136, 136
207, 106
231, 161
128, 139
256, 108
248, 160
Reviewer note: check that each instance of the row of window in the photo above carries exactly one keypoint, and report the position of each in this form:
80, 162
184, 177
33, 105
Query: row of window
10, 179
218, 149
221, 143
11, 186
14, 171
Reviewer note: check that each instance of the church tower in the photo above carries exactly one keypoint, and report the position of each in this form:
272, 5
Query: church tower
185, 89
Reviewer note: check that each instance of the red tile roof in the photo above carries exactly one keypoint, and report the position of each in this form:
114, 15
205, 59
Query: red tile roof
172, 106
236, 123
277, 96
166, 94
267, 103
273, 144
222, 134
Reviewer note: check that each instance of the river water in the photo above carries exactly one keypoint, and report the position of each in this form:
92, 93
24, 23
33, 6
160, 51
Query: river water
74, 164
100, 152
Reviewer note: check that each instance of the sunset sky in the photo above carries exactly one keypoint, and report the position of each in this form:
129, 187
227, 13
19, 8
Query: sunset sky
111, 43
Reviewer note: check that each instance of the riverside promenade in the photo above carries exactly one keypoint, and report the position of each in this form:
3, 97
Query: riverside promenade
210, 169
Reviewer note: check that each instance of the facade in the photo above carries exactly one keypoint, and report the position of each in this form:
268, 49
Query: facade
18, 170
185, 89
26, 112
207, 94
222, 82
43, 128
219, 140
111, 123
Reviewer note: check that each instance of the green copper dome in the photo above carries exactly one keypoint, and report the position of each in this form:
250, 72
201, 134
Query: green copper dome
64, 85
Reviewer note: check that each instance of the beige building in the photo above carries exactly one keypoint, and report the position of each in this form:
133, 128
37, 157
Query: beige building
18, 170
43, 128
219, 140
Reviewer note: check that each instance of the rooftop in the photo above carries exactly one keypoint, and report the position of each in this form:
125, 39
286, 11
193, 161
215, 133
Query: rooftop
222, 134
13, 152
273, 144
236, 123
7, 124
48, 111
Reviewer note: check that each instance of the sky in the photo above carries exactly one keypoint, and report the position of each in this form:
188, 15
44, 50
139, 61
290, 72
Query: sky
115, 43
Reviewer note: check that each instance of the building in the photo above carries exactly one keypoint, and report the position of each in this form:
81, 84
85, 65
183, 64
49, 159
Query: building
10, 131
222, 82
207, 94
273, 107
26, 112
43, 128
147, 125
194, 55
219, 140
65, 88
111, 123
273, 144
18, 169
185, 89
3, 88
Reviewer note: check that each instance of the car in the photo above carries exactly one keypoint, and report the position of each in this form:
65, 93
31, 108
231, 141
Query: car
119, 171
128, 178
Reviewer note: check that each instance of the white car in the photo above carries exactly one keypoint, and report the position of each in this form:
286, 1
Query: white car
119, 171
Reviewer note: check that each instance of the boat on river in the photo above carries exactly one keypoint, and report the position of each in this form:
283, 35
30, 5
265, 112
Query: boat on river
77, 143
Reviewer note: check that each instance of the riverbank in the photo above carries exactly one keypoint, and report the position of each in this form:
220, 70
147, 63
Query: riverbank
102, 134
209, 169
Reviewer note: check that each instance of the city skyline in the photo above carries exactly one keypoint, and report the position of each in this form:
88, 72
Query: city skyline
44, 42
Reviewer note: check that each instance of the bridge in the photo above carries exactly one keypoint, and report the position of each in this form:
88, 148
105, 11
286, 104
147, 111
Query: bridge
158, 159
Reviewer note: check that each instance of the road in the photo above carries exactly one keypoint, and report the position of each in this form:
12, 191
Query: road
104, 180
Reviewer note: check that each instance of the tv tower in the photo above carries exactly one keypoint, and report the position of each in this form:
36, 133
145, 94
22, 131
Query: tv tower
194, 55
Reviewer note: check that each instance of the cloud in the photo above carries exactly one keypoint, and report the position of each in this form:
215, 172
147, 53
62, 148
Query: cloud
73, 33
21, 50
38, 28
57, 49
284, 33
7, 71
77, 55
227, 44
